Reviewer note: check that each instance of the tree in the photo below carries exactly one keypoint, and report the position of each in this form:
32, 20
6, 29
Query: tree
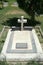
32, 7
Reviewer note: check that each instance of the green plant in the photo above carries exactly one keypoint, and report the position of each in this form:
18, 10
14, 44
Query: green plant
3, 63
33, 63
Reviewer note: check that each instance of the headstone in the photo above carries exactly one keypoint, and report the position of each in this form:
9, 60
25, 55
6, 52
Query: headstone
22, 21
15, 4
5, 4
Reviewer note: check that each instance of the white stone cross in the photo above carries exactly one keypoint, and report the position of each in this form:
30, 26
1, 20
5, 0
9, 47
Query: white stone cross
22, 21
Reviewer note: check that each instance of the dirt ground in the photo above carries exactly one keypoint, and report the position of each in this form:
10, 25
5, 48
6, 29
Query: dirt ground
15, 12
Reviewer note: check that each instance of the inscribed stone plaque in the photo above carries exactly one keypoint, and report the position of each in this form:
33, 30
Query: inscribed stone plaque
21, 45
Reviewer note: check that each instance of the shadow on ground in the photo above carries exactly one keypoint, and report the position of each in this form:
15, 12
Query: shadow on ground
1, 8
14, 22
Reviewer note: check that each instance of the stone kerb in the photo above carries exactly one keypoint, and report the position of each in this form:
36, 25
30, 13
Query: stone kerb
39, 57
2, 57
40, 30
25, 28
28, 28
15, 28
3, 30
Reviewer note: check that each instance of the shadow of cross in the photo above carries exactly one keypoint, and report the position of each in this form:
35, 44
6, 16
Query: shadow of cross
22, 21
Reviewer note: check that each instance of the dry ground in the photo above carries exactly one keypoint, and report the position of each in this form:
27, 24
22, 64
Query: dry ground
15, 12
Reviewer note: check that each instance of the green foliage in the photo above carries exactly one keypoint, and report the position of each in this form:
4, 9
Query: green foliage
29, 63
18, 63
33, 63
2, 39
32, 7
3, 63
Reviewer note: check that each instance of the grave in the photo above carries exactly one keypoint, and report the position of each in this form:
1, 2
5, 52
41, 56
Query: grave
15, 4
5, 4
21, 45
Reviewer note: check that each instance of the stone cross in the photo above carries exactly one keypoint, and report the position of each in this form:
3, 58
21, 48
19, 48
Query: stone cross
22, 21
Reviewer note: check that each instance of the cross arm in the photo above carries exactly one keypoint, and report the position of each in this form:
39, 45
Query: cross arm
24, 21
19, 21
